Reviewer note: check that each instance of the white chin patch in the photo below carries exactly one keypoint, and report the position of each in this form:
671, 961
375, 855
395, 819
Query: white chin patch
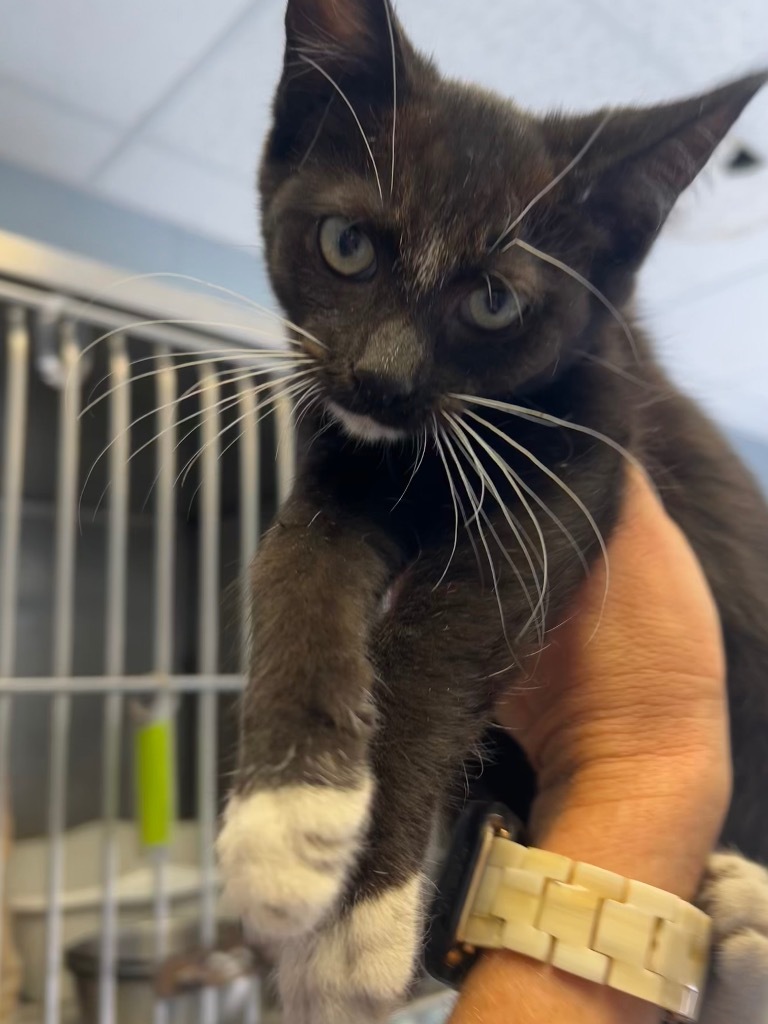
364, 428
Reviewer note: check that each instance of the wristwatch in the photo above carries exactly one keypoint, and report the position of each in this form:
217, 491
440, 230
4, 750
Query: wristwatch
497, 893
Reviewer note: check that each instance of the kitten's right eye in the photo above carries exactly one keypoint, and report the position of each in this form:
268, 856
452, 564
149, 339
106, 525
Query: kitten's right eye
347, 249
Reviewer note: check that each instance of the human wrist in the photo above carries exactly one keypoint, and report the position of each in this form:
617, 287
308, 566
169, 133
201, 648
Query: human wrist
655, 822
651, 836
505, 985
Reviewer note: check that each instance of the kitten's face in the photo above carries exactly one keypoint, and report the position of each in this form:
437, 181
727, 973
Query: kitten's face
414, 274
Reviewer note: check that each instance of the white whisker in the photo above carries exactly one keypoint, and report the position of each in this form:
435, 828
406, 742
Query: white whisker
287, 392
421, 451
513, 291
511, 477
391, 28
472, 496
343, 95
558, 481
223, 405
167, 405
437, 432
554, 183
318, 133
258, 334
309, 401
536, 415
606, 364
275, 360
265, 406
251, 303
585, 283
474, 460
211, 355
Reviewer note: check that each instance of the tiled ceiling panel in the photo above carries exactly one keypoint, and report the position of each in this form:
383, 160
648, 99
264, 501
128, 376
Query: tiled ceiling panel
220, 116
177, 189
701, 41
115, 59
50, 137
542, 53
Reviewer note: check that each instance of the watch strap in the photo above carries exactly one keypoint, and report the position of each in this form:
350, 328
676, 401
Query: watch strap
591, 923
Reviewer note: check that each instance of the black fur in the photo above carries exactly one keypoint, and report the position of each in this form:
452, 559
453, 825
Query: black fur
410, 690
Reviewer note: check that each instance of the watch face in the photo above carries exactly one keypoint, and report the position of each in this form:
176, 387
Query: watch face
446, 959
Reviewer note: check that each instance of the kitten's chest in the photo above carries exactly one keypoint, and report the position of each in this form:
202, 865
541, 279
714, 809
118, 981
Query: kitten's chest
425, 499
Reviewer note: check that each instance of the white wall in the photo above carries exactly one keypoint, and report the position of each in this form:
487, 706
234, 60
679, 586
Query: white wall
69, 218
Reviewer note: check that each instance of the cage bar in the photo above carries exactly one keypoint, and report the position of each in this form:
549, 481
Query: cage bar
135, 685
14, 445
166, 390
220, 334
208, 629
250, 512
286, 449
63, 638
114, 661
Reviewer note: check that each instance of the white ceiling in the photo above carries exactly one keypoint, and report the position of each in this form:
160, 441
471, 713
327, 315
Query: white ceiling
161, 105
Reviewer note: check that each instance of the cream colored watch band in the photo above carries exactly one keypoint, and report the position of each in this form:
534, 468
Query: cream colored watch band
591, 923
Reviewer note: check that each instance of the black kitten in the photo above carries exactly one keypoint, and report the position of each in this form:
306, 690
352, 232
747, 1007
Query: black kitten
459, 274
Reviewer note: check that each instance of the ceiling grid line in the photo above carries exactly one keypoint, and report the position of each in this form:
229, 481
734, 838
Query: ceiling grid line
37, 92
144, 121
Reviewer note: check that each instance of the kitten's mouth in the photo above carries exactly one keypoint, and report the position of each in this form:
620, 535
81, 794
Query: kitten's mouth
364, 427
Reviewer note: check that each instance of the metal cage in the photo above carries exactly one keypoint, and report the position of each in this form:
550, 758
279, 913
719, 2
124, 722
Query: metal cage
135, 475
111, 579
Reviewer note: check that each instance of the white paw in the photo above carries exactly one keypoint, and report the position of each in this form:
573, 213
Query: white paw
735, 895
285, 855
359, 968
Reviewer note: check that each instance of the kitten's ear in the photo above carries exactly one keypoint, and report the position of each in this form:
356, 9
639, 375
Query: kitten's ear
641, 160
341, 31
333, 47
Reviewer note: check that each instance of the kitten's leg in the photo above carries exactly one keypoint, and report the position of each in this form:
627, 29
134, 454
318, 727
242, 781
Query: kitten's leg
434, 658
735, 895
303, 787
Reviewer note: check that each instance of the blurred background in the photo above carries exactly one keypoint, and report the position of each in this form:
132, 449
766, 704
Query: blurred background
129, 138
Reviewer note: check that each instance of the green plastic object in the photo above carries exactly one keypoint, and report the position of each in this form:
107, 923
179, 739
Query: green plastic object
155, 781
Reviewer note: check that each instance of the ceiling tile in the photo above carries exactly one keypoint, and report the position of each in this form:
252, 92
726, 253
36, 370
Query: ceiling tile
704, 41
543, 53
112, 59
185, 193
220, 116
49, 138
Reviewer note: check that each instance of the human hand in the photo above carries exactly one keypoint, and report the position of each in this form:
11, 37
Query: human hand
627, 729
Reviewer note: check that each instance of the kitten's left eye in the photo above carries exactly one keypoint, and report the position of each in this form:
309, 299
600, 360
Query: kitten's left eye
346, 248
491, 307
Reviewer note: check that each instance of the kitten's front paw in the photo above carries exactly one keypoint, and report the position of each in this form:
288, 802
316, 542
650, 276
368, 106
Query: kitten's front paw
358, 968
735, 895
285, 854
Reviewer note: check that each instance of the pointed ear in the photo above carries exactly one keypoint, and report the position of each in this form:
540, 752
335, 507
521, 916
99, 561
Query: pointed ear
335, 46
641, 160
350, 31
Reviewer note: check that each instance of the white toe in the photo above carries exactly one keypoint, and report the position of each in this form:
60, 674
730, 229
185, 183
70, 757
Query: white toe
285, 854
358, 968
